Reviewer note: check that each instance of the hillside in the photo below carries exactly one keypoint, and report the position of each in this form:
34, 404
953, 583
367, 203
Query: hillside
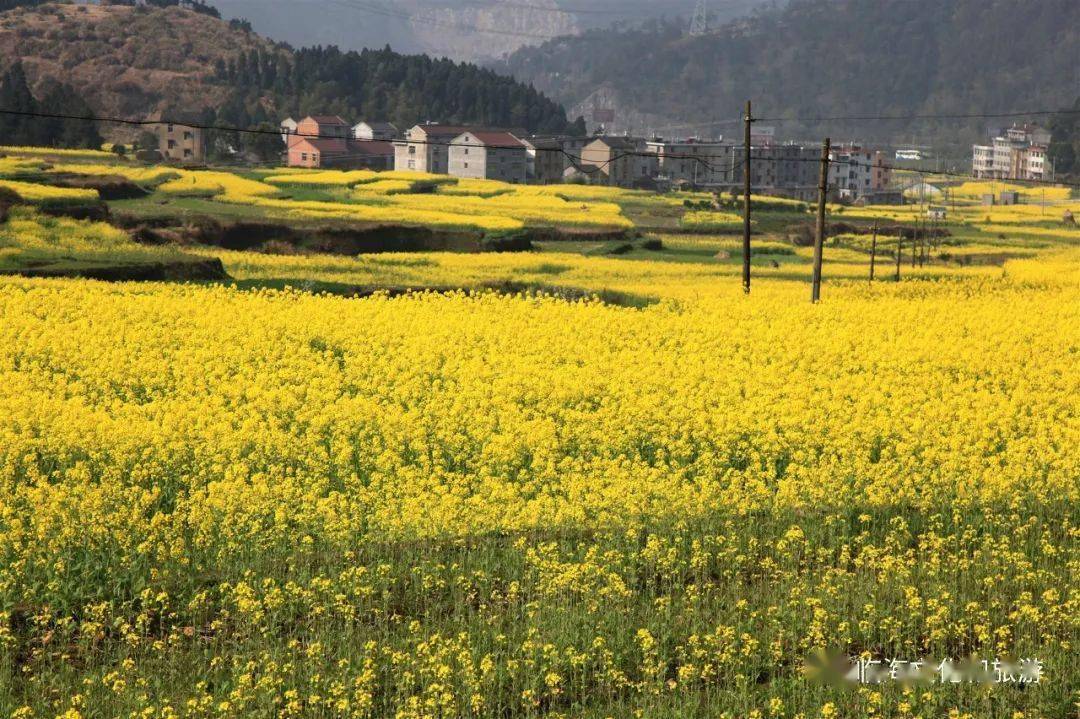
821, 58
134, 61
445, 27
125, 61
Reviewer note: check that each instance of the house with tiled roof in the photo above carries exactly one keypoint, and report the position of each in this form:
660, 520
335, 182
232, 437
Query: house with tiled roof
426, 148
326, 141
488, 155
375, 130
619, 161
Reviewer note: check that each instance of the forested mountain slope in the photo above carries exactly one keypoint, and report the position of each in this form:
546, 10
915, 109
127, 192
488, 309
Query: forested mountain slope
816, 58
132, 62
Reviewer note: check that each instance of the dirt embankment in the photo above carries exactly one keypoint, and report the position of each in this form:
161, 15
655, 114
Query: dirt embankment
182, 270
277, 238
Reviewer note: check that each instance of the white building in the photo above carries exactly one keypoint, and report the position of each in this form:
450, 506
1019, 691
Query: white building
855, 171
375, 131
288, 127
1017, 153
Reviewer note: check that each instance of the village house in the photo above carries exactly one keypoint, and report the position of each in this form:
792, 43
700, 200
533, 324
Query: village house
545, 161
692, 162
181, 143
618, 161
855, 171
375, 130
488, 155
788, 170
288, 127
326, 141
425, 148
1017, 153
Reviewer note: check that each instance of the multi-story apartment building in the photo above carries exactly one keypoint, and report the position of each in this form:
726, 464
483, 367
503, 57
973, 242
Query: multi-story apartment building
182, 143
855, 171
545, 159
426, 148
619, 161
1017, 153
692, 162
488, 155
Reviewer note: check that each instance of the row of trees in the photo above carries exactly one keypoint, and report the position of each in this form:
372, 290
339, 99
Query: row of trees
1065, 143
198, 6
376, 84
56, 99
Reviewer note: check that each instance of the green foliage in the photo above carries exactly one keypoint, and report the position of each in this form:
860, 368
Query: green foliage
57, 99
1065, 146
379, 84
811, 58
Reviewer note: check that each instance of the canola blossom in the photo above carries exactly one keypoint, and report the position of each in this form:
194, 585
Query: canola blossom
38, 194
221, 502
663, 498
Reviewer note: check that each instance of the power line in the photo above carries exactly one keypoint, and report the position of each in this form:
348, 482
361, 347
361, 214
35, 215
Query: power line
963, 116
574, 159
386, 12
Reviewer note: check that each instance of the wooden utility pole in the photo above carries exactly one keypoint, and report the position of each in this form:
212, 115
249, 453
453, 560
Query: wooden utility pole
746, 201
873, 251
899, 249
915, 243
819, 241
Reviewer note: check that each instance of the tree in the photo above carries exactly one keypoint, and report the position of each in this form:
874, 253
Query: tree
147, 141
61, 99
267, 145
15, 96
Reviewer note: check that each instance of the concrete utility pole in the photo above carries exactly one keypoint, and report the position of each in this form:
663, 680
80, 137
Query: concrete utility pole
746, 201
819, 241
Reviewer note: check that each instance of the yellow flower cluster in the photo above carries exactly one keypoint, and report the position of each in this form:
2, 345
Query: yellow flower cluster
716, 221
29, 239
58, 152
135, 173
976, 190
218, 501
47, 194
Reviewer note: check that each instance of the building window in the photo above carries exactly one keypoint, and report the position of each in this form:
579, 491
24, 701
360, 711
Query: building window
187, 135
314, 157
412, 149
466, 166
170, 127
172, 144
466, 151
187, 153
412, 164
303, 156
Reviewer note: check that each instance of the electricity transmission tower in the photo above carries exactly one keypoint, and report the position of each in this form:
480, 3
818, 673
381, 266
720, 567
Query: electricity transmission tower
699, 23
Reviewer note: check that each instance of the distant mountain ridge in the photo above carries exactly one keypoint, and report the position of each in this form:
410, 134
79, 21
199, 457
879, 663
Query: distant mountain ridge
820, 58
132, 62
446, 27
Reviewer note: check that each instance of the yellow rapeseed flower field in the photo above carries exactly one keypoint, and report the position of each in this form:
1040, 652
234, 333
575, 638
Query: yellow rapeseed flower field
226, 502
576, 486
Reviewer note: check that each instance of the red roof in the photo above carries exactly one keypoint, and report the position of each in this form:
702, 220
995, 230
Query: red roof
498, 138
371, 147
327, 119
336, 146
439, 130
324, 145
